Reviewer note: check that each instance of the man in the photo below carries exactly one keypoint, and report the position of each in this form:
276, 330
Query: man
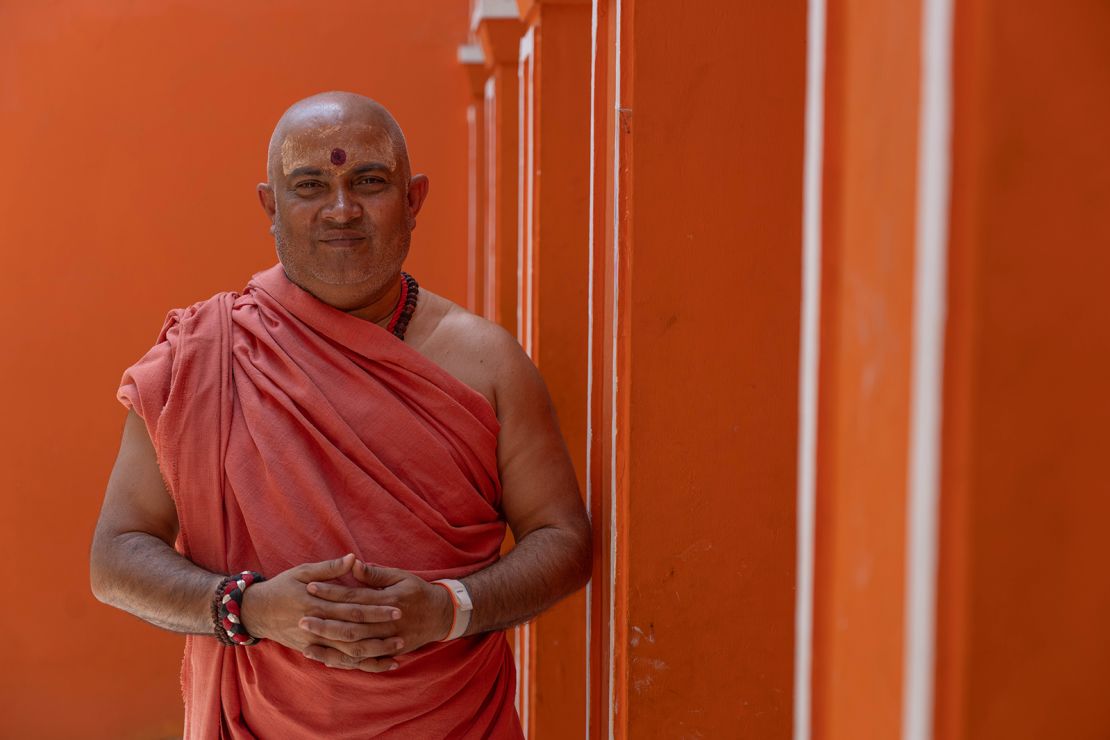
351, 438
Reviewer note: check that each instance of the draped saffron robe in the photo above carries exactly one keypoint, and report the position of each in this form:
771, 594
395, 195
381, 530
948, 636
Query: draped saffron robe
288, 432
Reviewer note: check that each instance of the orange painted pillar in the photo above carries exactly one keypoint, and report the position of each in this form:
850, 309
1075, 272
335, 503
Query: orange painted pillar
472, 59
496, 24
601, 604
554, 72
870, 150
961, 505
498, 28
1023, 648
698, 388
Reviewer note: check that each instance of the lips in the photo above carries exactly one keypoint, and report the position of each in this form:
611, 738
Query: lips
344, 239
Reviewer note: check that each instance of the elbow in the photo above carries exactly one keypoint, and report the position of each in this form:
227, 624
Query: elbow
97, 581
100, 569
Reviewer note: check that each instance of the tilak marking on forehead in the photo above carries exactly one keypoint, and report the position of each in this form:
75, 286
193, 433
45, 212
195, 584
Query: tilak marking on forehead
317, 147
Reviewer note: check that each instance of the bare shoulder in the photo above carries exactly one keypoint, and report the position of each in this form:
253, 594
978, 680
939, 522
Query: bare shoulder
476, 351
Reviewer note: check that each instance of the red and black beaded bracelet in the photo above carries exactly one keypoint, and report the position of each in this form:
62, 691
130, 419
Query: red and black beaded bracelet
227, 608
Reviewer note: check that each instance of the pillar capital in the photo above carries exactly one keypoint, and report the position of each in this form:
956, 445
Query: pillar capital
473, 61
500, 39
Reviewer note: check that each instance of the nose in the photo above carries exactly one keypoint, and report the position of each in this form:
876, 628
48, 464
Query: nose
341, 206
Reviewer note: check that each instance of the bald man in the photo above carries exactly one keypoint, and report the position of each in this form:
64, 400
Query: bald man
316, 473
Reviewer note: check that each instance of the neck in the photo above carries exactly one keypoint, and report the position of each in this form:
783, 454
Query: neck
379, 310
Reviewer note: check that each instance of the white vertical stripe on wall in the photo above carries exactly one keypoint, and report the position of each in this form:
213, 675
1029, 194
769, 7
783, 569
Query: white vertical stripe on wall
590, 356
491, 204
472, 214
528, 62
613, 407
521, 177
525, 175
808, 366
929, 316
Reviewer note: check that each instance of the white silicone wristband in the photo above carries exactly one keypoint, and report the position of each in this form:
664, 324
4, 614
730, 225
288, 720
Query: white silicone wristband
463, 606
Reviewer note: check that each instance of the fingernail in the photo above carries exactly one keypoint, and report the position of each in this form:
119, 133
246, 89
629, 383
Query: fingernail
393, 667
312, 588
395, 614
399, 644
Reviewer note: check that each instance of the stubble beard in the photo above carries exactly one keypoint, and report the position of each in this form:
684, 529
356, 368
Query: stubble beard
304, 271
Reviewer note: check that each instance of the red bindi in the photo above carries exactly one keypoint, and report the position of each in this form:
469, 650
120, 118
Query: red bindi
338, 156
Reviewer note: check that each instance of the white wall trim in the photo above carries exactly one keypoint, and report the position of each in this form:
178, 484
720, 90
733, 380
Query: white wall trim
471, 54
613, 408
473, 218
929, 317
491, 232
493, 10
590, 355
528, 71
808, 379
521, 176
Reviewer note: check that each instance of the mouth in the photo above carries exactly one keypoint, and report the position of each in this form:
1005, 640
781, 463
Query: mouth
345, 240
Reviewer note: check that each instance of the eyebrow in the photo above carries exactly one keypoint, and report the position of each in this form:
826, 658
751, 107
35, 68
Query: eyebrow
317, 172
369, 167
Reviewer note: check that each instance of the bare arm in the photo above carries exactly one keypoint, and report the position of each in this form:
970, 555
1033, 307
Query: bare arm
542, 504
134, 567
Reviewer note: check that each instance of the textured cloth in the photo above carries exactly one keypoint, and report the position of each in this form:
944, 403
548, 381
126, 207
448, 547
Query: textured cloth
288, 432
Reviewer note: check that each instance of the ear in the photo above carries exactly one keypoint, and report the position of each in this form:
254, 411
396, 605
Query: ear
418, 191
266, 198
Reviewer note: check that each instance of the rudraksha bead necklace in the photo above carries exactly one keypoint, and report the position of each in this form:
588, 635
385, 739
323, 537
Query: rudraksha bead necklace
406, 306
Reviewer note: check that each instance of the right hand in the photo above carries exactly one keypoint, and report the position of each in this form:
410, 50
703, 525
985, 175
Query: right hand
274, 609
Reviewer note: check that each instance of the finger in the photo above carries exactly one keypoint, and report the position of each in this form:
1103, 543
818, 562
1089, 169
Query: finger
336, 659
334, 629
361, 650
330, 657
325, 570
377, 576
350, 653
339, 594
378, 665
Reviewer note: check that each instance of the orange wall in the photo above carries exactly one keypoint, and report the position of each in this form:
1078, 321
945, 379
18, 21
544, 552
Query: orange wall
132, 136
1024, 648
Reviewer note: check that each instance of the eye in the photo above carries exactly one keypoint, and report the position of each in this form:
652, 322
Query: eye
370, 180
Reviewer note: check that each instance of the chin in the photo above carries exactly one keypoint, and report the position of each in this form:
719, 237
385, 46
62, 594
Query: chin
344, 275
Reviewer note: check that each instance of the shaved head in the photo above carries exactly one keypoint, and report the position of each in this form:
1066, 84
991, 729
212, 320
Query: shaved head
341, 199
308, 121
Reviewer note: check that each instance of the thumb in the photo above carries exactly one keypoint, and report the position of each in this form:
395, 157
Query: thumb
377, 576
325, 570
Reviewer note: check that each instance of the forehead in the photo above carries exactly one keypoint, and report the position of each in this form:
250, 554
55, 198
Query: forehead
314, 143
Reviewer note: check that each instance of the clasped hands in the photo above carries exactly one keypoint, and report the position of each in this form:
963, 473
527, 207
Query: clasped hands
362, 628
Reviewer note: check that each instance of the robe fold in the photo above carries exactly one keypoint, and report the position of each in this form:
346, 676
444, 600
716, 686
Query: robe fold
288, 432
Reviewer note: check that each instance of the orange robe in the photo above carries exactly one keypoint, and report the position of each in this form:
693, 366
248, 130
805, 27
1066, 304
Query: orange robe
288, 432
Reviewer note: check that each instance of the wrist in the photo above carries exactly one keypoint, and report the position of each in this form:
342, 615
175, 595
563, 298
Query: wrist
446, 612
461, 607
249, 612
227, 609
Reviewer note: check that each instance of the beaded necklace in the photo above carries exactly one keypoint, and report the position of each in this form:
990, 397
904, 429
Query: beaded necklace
406, 305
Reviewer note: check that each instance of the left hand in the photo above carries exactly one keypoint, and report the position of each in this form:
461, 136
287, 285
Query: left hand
427, 612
